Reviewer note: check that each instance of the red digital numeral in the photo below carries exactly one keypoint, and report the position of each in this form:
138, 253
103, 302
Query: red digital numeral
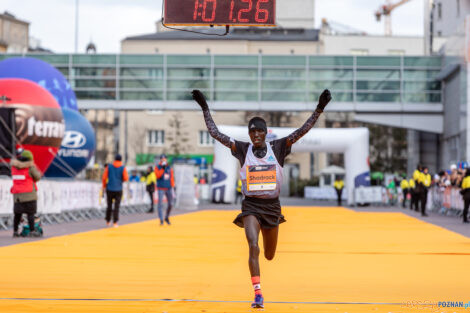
214, 6
196, 7
261, 11
250, 6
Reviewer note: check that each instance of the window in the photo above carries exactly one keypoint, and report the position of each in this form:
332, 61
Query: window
155, 137
439, 10
359, 52
205, 139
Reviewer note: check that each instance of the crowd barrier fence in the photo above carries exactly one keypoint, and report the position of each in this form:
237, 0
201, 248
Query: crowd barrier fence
65, 201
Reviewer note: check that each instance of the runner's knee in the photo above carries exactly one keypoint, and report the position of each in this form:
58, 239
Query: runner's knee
254, 248
269, 255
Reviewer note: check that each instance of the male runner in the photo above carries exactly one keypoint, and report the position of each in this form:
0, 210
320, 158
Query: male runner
261, 174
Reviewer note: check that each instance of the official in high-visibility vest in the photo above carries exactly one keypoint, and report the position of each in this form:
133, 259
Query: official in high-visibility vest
414, 194
113, 177
465, 186
25, 175
239, 194
150, 181
165, 185
339, 185
405, 188
425, 183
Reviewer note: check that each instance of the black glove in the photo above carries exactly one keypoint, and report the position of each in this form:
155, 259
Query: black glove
200, 99
325, 97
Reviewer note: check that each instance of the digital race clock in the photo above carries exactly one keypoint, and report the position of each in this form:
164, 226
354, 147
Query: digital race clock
220, 12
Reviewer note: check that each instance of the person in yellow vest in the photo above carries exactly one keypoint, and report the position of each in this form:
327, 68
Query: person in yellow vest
425, 182
239, 194
413, 193
405, 188
150, 181
339, 185
465, 192
418, 188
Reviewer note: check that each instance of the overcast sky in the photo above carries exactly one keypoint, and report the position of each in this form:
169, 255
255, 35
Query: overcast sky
107, 22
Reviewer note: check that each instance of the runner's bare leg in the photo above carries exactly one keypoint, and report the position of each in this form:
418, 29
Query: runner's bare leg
270, 241
252, 229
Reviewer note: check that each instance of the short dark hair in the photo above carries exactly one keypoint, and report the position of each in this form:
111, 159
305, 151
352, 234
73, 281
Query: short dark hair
118, 157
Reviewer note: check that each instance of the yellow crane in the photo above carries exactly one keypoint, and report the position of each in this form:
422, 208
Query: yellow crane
386, 11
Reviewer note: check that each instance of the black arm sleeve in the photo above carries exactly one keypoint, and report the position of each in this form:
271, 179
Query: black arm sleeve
214, 131
281, 150
299, 133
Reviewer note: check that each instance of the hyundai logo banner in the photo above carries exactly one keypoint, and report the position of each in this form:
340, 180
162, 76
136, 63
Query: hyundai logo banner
78, 146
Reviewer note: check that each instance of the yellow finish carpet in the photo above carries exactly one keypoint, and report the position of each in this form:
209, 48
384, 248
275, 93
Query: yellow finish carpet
329, 259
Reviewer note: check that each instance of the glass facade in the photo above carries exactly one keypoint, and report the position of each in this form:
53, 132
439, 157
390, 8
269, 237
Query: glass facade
253, 78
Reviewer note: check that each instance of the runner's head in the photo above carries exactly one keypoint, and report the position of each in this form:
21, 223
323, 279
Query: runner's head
257, 130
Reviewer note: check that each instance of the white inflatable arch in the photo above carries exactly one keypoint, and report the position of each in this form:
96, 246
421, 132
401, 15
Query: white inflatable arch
353, 142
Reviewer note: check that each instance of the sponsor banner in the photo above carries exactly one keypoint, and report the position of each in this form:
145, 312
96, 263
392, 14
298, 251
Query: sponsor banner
60, 196
323, 193
41, 126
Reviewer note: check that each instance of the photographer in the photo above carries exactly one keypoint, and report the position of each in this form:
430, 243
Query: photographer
25, 175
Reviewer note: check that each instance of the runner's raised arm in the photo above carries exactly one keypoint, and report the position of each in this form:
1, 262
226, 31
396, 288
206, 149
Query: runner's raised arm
325, 97
211, 127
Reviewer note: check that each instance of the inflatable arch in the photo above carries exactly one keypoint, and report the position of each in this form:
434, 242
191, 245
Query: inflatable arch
353, 142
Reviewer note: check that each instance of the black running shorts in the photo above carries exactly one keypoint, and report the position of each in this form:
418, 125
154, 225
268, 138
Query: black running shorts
267, 211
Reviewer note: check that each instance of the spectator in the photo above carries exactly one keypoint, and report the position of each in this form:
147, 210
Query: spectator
113, 177
25, 175
165, 185
134, 176
151, 181
465, 191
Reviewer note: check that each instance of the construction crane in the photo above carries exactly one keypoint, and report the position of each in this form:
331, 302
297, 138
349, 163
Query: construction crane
386, 11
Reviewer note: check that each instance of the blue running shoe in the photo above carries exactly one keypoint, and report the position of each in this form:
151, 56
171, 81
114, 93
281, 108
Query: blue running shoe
258, 303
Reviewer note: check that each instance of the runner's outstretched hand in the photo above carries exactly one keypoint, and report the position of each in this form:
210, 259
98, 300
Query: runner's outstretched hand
200, 99
325, 97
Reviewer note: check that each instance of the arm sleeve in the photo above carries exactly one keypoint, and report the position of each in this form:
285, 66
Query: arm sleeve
214, 131
172, 179
35, 174
105, 177
125, 176
281, 150
241, 148
299, 133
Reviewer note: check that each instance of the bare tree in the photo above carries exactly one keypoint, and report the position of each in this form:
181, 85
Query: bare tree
177, 135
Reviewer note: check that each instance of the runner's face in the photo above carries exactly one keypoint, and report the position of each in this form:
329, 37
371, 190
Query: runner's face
257, 137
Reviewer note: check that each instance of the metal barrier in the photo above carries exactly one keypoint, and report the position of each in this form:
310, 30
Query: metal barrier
446, 200
72, 201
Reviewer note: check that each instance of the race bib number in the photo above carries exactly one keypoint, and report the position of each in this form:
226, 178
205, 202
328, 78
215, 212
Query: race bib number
166, 176
261, 177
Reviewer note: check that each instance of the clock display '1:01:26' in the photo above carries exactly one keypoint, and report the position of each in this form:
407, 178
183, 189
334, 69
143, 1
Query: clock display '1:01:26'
220, 12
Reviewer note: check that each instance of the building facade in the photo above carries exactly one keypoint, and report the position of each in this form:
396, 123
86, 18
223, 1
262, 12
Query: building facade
14, 34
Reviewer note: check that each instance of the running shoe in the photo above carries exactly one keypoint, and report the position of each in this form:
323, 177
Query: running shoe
258, 303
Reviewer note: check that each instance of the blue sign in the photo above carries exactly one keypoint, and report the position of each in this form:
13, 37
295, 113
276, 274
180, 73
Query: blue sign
44, 75
78, 146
